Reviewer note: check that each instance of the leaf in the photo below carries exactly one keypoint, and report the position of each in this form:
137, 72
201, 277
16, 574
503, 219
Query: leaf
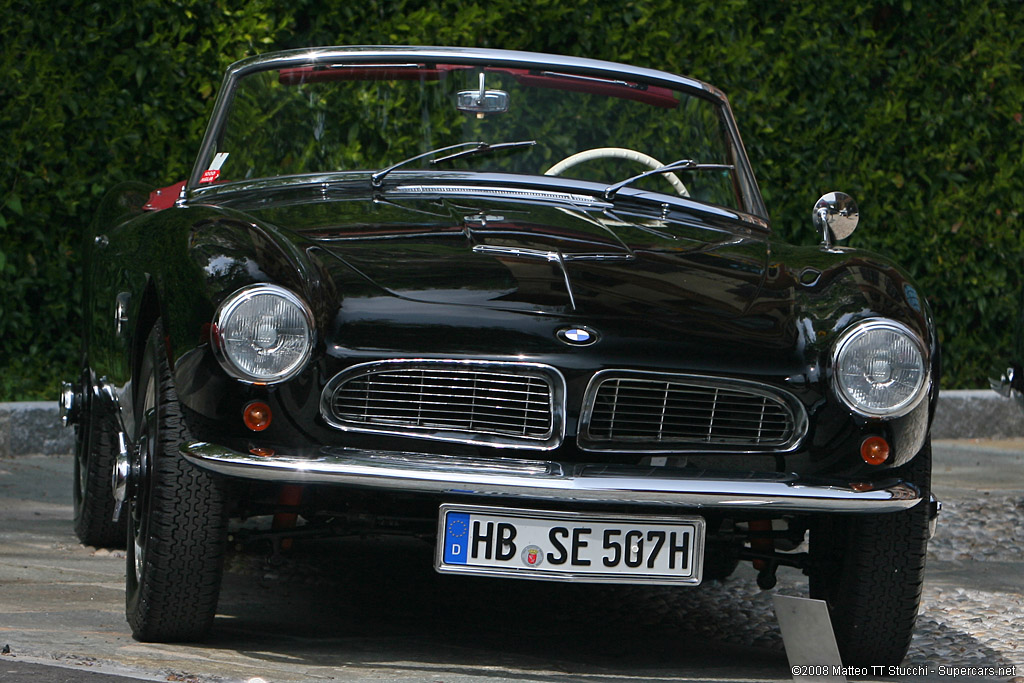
926, 131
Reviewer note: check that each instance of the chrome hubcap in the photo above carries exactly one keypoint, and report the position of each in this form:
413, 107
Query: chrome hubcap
138, 484
122, 478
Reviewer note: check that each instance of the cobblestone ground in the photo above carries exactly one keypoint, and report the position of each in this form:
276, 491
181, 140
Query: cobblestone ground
986, 528
957, 627
967, 627
354, 609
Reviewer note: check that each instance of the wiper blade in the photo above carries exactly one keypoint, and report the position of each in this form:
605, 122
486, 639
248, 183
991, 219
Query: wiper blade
377, 179
484, 148
680, 165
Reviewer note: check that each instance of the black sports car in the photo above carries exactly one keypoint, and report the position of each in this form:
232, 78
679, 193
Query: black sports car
528, 306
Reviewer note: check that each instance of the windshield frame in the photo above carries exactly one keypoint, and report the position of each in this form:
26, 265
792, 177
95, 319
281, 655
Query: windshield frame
747, 189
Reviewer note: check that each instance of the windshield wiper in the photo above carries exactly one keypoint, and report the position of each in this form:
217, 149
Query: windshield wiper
484, 148
377, 179
681, 165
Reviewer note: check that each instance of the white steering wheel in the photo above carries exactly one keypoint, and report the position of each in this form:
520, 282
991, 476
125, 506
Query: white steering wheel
617, 153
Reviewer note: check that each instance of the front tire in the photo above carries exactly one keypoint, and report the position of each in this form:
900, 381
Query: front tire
870, 571
177, 521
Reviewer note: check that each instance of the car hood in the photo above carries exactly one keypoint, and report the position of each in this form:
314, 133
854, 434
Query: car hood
423, 277
536, 258
441, 276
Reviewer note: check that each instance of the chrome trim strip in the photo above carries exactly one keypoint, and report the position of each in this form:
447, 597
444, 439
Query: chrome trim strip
522, 252
500, 192
387, 55
556, 481
555, 380
588, 443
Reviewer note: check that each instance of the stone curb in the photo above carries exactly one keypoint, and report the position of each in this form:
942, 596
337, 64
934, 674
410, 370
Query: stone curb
33, 428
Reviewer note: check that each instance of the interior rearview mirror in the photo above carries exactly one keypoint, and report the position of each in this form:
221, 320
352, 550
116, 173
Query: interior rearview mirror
482, 101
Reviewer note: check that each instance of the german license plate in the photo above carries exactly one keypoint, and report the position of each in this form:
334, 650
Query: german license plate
567, 546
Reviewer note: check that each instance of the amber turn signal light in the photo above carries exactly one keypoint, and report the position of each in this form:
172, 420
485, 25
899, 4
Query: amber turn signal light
257, 416
874, 450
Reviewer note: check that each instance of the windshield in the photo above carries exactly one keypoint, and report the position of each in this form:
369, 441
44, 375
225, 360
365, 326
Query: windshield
347, 118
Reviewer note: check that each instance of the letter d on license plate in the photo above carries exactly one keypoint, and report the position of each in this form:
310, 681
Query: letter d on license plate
569, 546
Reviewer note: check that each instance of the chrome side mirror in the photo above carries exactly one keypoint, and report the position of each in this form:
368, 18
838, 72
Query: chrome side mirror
836, 216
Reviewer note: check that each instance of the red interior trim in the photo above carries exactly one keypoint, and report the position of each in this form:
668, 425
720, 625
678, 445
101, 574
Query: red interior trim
648, 94
369, 72
164, 197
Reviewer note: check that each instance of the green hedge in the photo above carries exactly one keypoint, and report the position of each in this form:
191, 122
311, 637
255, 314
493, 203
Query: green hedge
914, 108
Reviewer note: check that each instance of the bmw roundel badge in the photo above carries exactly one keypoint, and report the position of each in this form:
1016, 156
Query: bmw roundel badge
577, 335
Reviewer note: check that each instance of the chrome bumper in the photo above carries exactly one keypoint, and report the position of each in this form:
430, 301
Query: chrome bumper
1008, 384
556, 481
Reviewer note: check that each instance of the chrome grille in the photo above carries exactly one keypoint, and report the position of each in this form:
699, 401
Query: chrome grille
499, 403
652, 412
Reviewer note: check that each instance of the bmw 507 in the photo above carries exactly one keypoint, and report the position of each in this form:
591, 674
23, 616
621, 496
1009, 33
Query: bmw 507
531, 304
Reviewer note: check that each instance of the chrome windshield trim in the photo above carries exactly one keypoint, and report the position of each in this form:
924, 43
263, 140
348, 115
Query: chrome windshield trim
557, 481
388, 55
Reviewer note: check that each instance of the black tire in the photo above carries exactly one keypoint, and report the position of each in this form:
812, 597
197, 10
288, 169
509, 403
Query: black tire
177, 521
93, 494
870, 570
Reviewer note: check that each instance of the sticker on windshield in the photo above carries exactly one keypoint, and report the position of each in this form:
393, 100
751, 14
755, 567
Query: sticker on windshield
212, 173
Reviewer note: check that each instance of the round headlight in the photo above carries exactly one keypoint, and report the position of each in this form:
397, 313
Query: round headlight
264, 334
879, 368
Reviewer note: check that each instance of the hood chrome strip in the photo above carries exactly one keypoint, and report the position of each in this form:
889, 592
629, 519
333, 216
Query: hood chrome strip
520, 252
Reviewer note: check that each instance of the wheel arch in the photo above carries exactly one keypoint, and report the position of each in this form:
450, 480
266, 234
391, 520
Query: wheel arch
148, 312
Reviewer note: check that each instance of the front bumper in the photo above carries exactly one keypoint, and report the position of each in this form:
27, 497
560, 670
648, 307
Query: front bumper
540, 480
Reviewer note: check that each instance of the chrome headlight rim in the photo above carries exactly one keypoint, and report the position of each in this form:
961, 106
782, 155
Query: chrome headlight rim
859, 329
230, 305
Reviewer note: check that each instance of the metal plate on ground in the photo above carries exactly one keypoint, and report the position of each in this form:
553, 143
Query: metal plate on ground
810, 642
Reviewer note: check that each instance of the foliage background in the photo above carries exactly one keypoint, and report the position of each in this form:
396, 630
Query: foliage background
913, 107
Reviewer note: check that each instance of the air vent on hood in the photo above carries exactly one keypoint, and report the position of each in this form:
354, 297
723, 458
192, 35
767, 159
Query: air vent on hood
501, 192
